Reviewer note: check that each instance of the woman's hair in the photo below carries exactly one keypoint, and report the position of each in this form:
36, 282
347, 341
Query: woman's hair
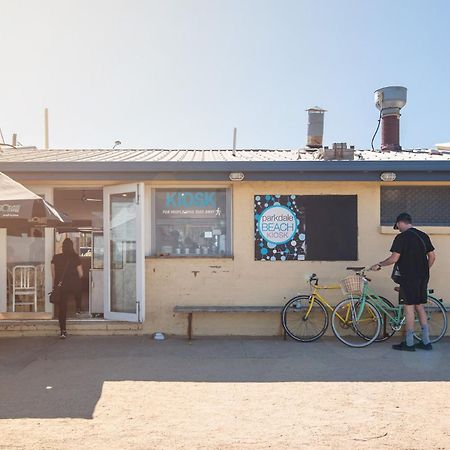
67, 247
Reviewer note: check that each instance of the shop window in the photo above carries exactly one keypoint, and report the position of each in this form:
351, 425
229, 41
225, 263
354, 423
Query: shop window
192, 222
428, 205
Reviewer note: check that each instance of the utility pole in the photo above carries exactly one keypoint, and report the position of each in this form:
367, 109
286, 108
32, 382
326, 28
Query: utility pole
46, 142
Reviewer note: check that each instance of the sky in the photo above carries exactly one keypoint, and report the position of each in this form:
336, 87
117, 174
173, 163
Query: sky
184, 73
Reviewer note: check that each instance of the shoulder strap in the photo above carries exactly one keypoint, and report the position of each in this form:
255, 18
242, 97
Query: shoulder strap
64, 273
421, 240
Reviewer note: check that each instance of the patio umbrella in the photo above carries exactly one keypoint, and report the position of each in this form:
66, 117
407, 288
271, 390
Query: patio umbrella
17, 203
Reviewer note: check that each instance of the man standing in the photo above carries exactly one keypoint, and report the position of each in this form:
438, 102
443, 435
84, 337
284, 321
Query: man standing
413, 254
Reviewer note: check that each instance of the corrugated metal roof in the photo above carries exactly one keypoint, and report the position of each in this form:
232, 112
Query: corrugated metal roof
216, 165
199, 155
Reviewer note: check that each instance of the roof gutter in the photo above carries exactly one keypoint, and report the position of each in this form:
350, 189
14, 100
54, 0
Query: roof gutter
219, 170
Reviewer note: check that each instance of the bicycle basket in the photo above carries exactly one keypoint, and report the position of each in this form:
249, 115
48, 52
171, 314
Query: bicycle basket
352, 284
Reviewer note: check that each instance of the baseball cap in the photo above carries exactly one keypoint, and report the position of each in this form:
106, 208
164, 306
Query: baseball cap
402, 217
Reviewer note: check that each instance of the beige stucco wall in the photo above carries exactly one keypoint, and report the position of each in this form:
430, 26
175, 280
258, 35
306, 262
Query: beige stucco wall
243, 281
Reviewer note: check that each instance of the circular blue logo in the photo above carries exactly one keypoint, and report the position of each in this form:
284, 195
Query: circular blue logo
277, 224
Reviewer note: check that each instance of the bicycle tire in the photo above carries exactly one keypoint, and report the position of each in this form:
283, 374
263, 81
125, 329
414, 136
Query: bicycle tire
317, 315
337, 322
437, 331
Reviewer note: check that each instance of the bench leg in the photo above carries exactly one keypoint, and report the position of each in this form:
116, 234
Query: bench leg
189, 329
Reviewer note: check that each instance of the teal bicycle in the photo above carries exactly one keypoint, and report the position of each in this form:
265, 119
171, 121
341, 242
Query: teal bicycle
391, 318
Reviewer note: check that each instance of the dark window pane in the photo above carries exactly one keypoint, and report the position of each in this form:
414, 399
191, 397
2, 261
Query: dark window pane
332, 227
428, 205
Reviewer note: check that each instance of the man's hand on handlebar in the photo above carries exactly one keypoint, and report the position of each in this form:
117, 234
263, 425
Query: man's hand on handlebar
375, 267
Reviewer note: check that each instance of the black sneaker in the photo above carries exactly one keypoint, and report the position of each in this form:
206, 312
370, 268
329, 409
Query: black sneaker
63, 335
423, 346
403, 346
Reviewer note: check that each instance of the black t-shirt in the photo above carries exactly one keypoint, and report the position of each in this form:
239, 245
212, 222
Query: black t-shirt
413, 246
71, 277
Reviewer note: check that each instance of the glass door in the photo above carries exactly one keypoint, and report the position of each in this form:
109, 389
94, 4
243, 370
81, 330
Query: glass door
124, 294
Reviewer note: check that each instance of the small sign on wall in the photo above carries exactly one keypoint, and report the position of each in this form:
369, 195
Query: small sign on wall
280, 232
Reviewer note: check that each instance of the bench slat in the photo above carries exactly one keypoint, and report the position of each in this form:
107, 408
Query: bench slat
226, 309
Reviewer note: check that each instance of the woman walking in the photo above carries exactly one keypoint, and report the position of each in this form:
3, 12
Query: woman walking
67, 269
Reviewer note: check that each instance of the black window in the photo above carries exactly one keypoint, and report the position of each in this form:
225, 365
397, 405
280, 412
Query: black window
332, 227
428, 205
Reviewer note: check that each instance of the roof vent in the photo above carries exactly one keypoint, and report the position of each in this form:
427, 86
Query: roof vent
390, 100
315, 127
339, 152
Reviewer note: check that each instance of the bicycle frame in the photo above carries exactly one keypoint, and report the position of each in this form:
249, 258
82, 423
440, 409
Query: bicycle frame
395, 314
316, 295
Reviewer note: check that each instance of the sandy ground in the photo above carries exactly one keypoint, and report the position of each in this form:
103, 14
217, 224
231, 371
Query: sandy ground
132, 393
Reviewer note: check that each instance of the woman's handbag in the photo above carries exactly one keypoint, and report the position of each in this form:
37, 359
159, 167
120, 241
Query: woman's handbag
55, 295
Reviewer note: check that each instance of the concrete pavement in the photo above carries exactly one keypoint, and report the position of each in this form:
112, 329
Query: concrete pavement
45, 377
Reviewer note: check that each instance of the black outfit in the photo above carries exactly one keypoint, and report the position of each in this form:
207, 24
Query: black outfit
413, 246
71, 283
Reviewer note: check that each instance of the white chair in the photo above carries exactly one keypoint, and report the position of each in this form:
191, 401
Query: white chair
24, 282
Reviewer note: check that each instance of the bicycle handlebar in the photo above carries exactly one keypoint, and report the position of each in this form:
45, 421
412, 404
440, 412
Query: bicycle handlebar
314, 280
361, 271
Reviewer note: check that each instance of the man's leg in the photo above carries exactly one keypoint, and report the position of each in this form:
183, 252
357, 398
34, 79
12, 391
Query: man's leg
409, 315
423, 319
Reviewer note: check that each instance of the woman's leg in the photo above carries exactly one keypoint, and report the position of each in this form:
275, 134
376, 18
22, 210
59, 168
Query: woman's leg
78, 297
62, 307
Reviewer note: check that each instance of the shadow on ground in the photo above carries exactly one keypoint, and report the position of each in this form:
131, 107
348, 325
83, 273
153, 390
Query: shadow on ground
48, 378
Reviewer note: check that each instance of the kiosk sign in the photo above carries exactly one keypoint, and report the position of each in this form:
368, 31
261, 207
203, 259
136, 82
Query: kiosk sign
279, 228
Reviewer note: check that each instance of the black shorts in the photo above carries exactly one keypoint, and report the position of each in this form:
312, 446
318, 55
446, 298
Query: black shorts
413, 292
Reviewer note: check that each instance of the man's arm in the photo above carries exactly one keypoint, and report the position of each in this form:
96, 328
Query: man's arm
431, 258
387, 262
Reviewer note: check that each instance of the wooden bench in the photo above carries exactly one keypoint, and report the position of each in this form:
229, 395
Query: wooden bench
190, 310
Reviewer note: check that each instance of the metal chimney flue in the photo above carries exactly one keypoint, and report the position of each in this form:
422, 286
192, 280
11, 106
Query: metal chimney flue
390, 100
315, 127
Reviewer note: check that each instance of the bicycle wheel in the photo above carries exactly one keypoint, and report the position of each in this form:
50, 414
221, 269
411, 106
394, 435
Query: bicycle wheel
437, 320
302, 322
355, 324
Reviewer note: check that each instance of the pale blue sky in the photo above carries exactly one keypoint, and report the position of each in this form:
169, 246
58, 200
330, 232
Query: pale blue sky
183, 73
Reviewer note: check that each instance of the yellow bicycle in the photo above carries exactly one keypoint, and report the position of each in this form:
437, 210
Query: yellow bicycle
305, 318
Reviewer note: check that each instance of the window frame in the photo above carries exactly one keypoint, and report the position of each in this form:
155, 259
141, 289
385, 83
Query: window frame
229, 254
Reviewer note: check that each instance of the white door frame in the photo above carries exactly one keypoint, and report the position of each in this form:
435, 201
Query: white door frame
138, 189
49, 233
3, 271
